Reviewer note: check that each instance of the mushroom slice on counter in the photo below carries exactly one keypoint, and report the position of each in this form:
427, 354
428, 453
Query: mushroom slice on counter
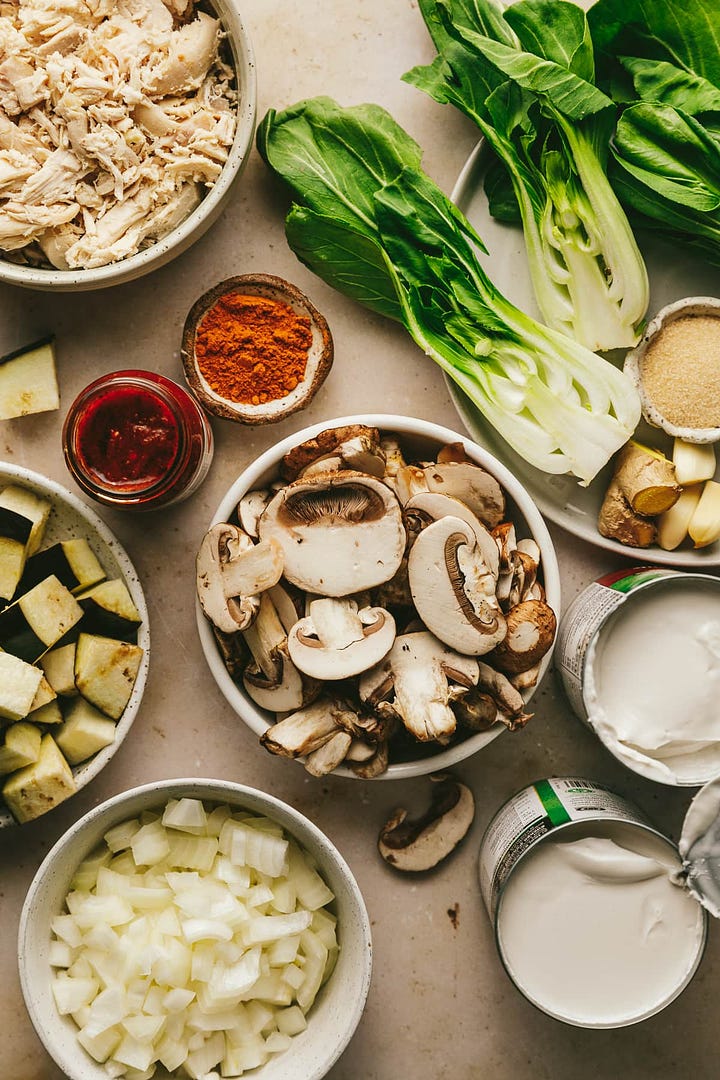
271, 679
472, 485
336, 641
453, 587
421, 844
433, 505
231, 572
340, 532
413, 682
531, 627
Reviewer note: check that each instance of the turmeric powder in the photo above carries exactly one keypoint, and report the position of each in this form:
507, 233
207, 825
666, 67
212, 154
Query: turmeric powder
252, 349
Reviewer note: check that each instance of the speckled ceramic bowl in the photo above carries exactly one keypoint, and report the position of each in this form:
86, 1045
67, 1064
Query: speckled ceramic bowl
70, 517
338, 1007
422, 439
192, 228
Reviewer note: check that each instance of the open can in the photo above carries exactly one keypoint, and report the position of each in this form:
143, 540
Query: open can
600, 920
638, 654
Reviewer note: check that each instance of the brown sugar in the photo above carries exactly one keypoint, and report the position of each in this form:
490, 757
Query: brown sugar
681, 371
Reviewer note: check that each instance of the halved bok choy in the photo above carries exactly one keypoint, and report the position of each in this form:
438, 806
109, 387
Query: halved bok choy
371, 223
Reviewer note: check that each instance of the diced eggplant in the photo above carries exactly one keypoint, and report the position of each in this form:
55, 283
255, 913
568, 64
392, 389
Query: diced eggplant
109, 611
12, 563
38, 619
17, 522
51, 713
59, 667
84, 731
73, 562
39, 787
19, 682
28, 380
21, 747
105, 672
35, 509
44, 694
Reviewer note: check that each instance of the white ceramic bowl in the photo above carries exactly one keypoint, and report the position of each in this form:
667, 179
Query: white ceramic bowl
422, 437
70, 517
337, 1009
192, 228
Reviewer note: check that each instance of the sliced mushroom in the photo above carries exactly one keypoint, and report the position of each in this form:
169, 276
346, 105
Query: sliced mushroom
231, 572
233, 650
339, 532
419, 845
433, 505
272, 680
360, 453
531, 627
472, 485
289, 604
304, 731
509, 700
506, 540
454, 589
451, 452
407, 481
394, 458
476, 711
251, 507
327, 757
336, 641
413, 683
324, 444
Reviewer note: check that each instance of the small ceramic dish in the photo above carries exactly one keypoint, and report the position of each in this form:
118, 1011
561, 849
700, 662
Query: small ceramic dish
339, 1005
662, 407
420, 440
319, 356
69, 518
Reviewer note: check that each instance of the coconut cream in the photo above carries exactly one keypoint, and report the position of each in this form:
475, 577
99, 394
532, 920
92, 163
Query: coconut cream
595, 929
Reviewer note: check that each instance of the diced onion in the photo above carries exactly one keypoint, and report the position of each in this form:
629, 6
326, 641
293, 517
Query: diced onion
196, 939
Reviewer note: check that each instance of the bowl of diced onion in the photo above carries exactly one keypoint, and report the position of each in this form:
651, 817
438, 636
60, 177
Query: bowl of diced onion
194, 928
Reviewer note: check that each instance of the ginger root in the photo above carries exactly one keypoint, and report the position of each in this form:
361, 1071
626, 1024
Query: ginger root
646, 479
618, 521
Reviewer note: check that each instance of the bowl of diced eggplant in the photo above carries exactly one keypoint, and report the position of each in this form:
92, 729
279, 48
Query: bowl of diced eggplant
377, 597
74, 644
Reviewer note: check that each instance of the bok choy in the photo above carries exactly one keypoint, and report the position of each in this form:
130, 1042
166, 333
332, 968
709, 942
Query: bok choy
525, 76
661, 61
370, 222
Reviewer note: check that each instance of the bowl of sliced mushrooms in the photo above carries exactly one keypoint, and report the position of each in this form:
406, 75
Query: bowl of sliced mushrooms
377, 597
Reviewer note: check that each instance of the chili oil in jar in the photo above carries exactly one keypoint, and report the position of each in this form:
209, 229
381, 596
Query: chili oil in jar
135, 440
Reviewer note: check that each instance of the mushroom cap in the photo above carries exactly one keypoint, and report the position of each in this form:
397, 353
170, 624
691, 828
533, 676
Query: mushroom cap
230, 572
436, 504
453, 588
340, 532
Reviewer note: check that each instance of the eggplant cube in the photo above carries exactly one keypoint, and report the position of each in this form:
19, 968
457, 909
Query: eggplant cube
105, 672
21, 747
84, 731
73, 562
59, 667
38, 619
35, 509
50, 713
28, 380
19, 682
32, 791
109, 610
43, 696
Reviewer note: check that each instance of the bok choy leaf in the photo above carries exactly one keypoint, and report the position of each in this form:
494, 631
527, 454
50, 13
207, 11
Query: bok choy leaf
370, 222
525, 76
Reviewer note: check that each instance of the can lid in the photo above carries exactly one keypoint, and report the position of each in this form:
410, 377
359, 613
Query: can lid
699, 847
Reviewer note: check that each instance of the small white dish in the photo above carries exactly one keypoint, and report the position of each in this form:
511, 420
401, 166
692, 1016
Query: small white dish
339, 1006
70, 517
422, 438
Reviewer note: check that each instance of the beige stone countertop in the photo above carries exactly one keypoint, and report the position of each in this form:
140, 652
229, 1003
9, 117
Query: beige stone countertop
440, 1005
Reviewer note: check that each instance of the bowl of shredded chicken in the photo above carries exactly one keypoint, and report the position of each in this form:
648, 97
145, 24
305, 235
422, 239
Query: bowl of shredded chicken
122, 127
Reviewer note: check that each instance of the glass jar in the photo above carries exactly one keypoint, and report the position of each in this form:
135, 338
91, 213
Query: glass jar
137, 441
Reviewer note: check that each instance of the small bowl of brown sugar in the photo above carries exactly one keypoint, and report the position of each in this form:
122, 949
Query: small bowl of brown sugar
255, 349
676, 368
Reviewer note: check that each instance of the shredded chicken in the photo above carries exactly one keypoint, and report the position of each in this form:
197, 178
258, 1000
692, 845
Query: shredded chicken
116, 117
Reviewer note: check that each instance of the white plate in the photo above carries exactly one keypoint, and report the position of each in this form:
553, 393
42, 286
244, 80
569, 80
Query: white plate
674, 273
70, 518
